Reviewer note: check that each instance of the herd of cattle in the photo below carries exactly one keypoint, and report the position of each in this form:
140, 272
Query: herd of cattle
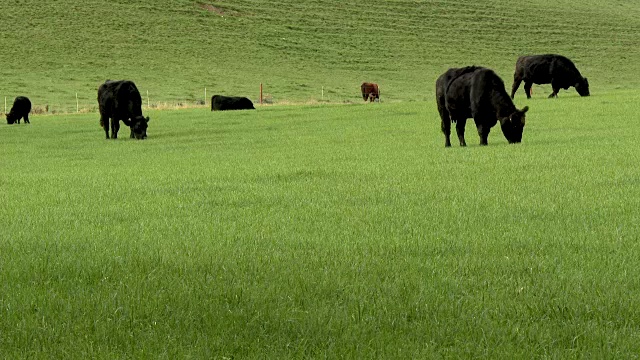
461, 93
479, 93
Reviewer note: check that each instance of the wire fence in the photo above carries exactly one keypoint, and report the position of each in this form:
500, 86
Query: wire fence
86, 102
84, 105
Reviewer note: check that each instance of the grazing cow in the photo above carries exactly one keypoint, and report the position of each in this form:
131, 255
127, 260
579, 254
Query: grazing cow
478, 93
552, 69
20, 109
370, 91
221, 102
120, 100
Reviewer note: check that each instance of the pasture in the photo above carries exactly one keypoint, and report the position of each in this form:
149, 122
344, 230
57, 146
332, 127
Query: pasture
319, 227
174, 49
329, 231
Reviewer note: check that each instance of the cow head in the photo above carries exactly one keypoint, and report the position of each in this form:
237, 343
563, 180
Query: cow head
139, 126
10, 118
582, 87
513, 126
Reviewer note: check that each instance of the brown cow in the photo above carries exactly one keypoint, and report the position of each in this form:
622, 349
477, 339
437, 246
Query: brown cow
370, 91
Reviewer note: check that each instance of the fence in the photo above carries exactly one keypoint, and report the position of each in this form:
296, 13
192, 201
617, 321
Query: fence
87, 103
82, 103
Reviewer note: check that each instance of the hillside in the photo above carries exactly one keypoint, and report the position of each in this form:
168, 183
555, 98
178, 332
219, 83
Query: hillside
174, 49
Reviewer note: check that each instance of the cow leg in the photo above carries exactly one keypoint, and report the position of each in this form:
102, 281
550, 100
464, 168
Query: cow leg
26, 119
483, 132
527, 89
445, 125
445, 122
556, 88
104, 122
515, 86
115, 126
129, 123
18, 121
460, 124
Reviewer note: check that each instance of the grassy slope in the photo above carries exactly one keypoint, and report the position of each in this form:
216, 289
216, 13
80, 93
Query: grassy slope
174, 49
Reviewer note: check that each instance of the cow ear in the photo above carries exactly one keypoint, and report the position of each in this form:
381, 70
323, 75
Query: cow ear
522, 116
147, 119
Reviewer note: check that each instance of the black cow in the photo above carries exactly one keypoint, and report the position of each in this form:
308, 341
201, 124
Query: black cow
221, 102
120, 100
20, 109
478, 93
552, 69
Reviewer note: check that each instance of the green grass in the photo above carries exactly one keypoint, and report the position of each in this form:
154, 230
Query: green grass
174, 49
338, 231
328, 230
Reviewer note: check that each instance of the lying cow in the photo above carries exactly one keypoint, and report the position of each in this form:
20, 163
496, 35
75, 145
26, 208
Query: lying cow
20, 109
221, 102
552, 69
120, 100
478, 93
370, 91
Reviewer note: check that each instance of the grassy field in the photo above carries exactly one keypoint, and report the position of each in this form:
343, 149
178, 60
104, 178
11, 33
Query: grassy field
329, 231
174, 49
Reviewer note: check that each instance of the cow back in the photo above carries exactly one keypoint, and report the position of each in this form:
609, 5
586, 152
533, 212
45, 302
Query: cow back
21, 105
480, 93
459, 95
120, 99
221, 102
542, 69
444, 81
127, 100
370, 91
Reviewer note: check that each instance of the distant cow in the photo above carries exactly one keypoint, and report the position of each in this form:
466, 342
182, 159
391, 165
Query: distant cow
120, 100
478, 93
552, 69
370, 91
20, 109
221, 102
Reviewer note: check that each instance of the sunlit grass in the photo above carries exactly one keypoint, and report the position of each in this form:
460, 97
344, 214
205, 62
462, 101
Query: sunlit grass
329, 230
322, 231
